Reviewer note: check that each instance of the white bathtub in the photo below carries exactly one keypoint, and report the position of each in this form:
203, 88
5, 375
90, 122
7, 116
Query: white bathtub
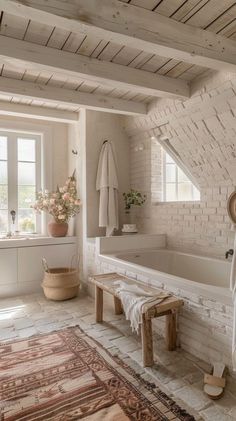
201, 275
205, 321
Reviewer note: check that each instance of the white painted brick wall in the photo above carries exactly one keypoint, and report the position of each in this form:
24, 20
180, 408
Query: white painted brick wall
203, 131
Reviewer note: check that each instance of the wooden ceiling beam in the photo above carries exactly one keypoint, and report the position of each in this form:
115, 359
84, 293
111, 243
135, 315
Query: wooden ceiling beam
133, 26
37, 112
55, 95
18, 53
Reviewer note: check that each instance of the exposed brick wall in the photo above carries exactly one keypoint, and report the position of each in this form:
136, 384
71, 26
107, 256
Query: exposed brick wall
202, 129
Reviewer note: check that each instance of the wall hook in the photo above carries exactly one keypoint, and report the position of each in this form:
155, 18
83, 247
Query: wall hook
74, 152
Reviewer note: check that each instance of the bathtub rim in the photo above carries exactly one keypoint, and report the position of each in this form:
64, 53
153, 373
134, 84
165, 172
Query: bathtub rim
212, 292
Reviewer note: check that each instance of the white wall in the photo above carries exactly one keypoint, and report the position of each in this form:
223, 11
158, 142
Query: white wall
101, 126
77, 162
59, 153
86, 138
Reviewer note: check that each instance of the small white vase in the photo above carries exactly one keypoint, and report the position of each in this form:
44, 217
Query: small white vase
129, 228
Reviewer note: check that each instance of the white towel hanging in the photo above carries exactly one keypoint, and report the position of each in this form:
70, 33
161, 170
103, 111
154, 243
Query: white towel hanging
107, 184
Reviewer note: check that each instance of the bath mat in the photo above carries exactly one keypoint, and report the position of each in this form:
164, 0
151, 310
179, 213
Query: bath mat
66, 375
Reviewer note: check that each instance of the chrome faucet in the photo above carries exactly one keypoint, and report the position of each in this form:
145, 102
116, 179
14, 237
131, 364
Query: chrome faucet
11, 232
13, 215
228, 253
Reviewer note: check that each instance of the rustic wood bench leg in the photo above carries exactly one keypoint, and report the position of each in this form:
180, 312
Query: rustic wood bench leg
147, 344
98, 304
118, 306
171, 331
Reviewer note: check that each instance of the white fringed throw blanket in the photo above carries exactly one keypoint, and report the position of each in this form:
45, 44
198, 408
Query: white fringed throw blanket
133, 299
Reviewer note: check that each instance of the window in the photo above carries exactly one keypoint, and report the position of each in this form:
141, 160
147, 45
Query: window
176, 185
20, 178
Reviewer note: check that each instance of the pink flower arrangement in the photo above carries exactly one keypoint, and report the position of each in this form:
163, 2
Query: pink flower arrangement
62, 204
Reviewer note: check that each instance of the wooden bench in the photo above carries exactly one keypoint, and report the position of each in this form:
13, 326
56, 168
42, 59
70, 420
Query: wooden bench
168, 307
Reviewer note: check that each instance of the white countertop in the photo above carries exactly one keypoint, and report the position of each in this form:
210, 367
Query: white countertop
33, 241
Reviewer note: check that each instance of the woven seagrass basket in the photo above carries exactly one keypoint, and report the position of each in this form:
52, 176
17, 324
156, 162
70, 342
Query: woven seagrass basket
60, 283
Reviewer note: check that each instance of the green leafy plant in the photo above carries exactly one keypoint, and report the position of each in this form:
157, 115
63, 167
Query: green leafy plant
133, 198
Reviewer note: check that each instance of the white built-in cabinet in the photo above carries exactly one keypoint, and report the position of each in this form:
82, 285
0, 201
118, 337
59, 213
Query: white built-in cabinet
21, 270
8, 266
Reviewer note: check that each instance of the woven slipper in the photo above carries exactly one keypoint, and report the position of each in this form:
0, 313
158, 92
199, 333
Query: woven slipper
214, 384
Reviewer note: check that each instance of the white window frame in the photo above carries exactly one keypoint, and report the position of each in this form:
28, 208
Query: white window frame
12, 171
176, 182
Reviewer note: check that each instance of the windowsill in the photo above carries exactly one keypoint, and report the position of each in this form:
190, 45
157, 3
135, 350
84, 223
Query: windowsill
33, 241
177, 202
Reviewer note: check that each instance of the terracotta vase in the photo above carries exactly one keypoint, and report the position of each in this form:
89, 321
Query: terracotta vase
57, 229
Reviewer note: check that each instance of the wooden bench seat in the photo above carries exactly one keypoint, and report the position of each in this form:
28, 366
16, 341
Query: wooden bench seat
168, 307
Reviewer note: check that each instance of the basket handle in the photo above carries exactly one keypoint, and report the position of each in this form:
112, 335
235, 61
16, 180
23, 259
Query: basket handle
45, 265
73, 259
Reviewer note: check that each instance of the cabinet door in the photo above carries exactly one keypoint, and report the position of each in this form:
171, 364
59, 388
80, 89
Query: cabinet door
8, 266
30, 260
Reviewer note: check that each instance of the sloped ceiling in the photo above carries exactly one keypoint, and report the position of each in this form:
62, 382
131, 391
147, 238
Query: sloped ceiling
202, 129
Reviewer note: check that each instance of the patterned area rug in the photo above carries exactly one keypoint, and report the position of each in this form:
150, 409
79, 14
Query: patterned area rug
66, 375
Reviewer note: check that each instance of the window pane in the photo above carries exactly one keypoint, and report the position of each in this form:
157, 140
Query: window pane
3, 172
170, 173
182, 177
26, 149
3, 197
185, 191
176, 184
3, 147
26, 174
3, 220
26, 196
169, 160
26, 220
170, 192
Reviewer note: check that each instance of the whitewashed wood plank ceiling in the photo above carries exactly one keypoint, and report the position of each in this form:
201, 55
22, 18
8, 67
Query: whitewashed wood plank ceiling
215, 16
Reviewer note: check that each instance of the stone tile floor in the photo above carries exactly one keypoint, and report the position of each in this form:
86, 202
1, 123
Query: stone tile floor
178, 373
